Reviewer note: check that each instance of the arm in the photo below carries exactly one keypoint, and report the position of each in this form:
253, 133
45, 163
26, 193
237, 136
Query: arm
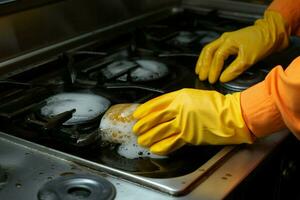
290, 11
198, 117
274, 104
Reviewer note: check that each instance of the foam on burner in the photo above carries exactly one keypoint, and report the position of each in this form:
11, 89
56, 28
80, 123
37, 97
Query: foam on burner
149, 70
116, 127
88, 106
184, 38
207, 36
118, 67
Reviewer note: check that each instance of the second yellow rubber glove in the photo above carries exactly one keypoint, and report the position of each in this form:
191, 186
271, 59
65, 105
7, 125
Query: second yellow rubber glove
190, 116
249, 44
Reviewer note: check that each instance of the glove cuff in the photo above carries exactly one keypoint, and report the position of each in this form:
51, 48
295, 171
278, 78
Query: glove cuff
276, 28
243, 134
231, 127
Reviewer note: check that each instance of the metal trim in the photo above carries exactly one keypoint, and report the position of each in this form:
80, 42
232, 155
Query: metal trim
225, 8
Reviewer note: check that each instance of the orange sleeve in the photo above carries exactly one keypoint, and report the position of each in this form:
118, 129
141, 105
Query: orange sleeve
290, 11
274, 103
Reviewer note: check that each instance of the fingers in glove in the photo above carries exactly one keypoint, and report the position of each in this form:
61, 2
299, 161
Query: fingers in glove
218, 61
205, 58
237, 67
167, 145
158, 133
152, 120
154, 105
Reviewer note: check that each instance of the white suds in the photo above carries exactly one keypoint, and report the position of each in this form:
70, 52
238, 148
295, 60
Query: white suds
116, 127
147, 70
207, 36
88, 106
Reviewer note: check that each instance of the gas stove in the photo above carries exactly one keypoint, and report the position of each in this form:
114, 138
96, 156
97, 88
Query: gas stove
133, 67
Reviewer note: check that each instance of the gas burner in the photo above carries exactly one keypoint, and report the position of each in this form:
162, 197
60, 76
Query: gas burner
244, 81
78, 135
184, 38
71, 118
207, 36
149, 70
87, 107
187, 38
139, 70
78, 187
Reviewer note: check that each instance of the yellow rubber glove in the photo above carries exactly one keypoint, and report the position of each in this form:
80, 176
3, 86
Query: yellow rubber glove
249, 44
190, 116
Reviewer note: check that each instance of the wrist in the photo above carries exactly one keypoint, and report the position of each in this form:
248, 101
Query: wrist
260, 112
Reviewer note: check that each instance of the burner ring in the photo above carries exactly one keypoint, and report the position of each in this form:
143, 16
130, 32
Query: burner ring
78, 187
244, 81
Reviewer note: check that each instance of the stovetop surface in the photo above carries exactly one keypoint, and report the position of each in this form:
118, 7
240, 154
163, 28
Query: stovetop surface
21, 107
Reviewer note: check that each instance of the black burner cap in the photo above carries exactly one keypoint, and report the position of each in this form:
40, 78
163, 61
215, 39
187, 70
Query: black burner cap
74, 187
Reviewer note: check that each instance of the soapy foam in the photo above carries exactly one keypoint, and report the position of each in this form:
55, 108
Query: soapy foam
116, 127
88, 106
185, 38
148, 70
208, 36
120, 66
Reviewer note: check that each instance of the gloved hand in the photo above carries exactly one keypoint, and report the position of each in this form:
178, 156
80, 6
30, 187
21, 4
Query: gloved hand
190, 116
249, 44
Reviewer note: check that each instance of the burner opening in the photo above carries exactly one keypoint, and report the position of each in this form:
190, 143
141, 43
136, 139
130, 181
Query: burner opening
78, 187
79, 192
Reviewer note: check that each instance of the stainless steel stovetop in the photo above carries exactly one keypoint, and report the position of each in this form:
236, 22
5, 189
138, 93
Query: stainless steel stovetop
174, 42
86, 70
